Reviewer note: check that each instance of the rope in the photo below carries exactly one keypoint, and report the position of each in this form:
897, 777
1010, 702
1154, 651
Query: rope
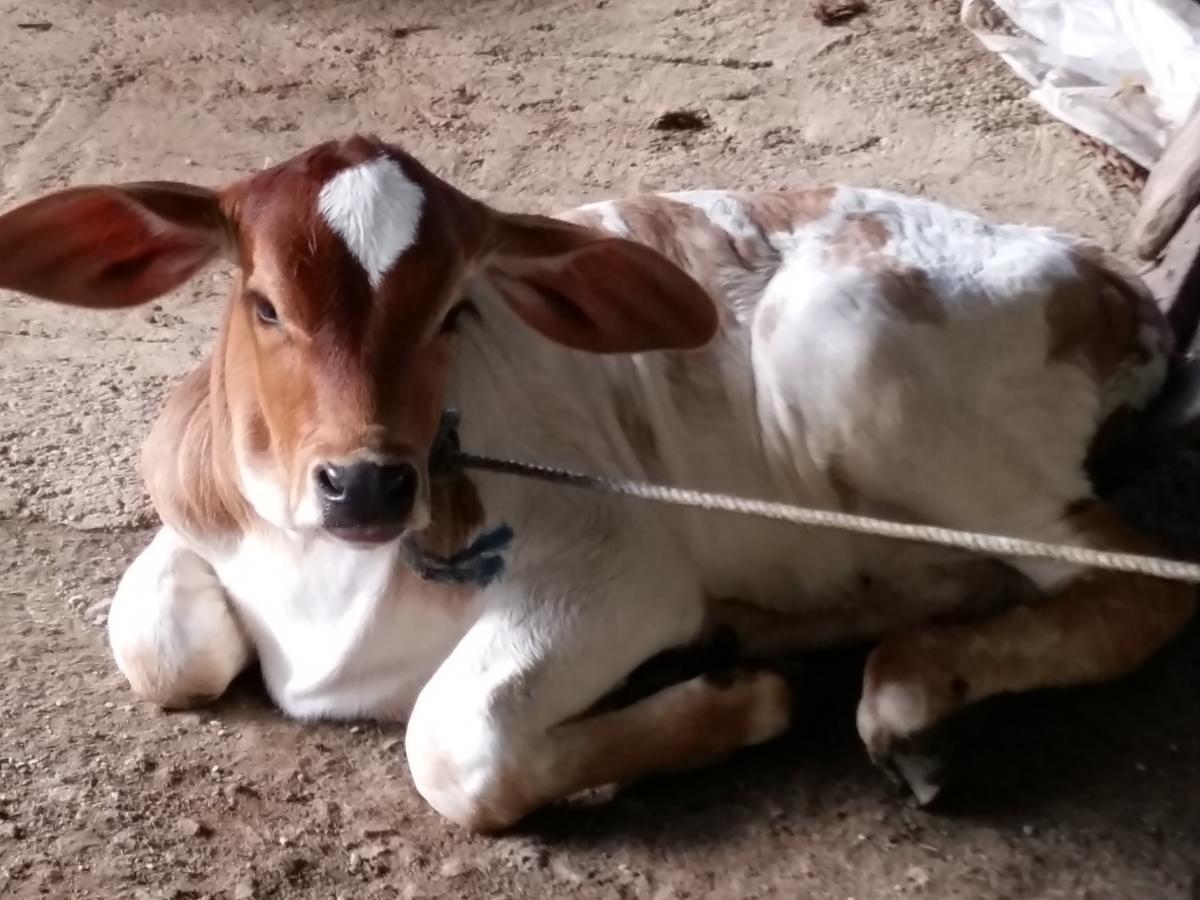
997, 545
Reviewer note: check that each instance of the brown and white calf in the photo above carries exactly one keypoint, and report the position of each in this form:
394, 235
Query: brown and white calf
844, 348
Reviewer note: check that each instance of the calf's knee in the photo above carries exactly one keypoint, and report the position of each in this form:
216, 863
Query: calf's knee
468, 770
171, 630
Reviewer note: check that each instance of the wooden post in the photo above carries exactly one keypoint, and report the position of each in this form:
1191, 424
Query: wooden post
1167, 228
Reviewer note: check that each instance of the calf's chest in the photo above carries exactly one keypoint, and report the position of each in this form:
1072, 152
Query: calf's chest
340, 632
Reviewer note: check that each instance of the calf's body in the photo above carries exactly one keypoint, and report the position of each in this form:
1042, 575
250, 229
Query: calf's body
868, 352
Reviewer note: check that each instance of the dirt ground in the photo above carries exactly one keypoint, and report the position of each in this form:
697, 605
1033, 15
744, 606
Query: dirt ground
537, 105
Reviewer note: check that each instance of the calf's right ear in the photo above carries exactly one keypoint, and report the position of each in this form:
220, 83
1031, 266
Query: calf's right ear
111, 247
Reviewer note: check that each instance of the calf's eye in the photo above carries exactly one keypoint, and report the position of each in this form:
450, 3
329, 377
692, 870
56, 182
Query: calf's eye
450, 323
264, 310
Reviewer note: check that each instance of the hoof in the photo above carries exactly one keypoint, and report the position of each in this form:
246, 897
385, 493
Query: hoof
920, 764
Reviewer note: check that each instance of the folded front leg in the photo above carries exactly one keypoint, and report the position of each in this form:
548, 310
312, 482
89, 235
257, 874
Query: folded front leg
507, 724
171, 629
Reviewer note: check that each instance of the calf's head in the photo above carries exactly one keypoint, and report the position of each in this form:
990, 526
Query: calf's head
354, 264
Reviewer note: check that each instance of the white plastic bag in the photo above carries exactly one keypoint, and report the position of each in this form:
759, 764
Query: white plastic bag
1126, 72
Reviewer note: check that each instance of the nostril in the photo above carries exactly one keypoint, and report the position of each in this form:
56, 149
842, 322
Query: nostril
329, 482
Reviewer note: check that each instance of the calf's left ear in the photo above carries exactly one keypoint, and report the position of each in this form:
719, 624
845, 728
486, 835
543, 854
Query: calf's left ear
598, 293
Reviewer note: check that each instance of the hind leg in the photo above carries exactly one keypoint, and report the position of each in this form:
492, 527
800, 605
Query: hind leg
1096, 627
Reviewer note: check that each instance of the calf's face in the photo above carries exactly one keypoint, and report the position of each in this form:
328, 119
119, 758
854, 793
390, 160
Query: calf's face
355, 266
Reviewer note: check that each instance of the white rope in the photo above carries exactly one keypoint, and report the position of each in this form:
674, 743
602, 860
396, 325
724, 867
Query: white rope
992, 544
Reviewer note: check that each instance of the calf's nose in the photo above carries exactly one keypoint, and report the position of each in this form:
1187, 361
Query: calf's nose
366, 493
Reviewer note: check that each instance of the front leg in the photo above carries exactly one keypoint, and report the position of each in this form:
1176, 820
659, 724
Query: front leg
171, 629
507, 724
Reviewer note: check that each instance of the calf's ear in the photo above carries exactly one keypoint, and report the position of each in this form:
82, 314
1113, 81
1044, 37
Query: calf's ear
595, 292
113, 246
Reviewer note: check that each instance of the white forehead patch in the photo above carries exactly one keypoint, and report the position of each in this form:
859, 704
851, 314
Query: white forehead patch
375, 209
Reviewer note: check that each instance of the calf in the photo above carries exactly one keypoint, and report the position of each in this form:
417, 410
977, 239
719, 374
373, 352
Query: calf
841, 348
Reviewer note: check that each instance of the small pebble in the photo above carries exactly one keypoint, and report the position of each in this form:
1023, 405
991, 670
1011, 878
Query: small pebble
192, 828
452, 868
377, 829
917, 876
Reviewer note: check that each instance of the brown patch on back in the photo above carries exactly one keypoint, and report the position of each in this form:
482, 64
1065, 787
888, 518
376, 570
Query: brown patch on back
909, 294
1097, 320
858, 239
779, 212
685, 236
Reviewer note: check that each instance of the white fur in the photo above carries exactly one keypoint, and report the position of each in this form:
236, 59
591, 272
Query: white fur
895, 709
610, 217
328, 626
268, 496
171, 628
324, 619
376, 210
961, 422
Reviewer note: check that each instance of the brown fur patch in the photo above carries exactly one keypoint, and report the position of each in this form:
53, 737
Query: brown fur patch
455, 514
859, 238
1096, 321
681, 727
1100, 626
685, 236
778, 212
910, 295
